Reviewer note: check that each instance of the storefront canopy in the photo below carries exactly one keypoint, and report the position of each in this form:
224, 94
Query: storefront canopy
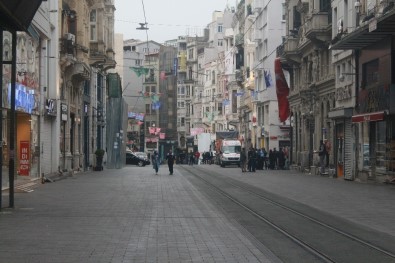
16, 15
373, 116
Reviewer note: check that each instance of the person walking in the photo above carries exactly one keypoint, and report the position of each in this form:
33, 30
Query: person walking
170, 161
322, 154
243, 159
191, 158
155, 161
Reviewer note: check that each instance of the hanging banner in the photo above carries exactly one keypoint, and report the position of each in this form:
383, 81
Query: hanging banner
162, 136
24, 160
282, 91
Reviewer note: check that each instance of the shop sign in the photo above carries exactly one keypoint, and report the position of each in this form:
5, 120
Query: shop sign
63, 108
24, 159
50, 107
375, 116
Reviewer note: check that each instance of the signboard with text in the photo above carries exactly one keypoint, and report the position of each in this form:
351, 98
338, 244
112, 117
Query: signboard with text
24, 160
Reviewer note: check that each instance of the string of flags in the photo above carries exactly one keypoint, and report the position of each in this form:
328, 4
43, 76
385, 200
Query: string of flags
196, 131
140, 70
137, 116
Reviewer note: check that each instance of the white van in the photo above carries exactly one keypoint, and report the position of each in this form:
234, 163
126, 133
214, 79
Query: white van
230, 152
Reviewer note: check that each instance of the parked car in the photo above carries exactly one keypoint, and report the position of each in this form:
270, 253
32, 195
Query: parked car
137, 159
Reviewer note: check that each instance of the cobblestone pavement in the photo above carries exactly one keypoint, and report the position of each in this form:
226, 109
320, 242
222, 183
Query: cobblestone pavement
126, 215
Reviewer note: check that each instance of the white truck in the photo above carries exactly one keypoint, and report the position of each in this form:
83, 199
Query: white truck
230, 152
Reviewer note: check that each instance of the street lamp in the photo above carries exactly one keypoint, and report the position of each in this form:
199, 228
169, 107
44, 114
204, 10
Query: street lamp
143, 26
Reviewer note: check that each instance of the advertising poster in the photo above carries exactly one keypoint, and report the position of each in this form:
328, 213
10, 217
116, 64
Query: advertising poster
24, 158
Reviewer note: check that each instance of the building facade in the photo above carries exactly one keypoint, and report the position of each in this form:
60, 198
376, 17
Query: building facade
306, 56
85, 56
369, 40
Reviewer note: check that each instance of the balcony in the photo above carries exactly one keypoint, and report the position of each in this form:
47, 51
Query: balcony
317, 27
290, 50
369, 33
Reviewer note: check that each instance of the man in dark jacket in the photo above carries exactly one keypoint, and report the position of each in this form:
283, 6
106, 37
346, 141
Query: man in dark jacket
170, 161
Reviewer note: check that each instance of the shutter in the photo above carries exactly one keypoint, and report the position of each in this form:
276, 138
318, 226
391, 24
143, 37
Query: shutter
348, 151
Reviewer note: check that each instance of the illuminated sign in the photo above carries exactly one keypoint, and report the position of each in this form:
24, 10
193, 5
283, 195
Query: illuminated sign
24, 98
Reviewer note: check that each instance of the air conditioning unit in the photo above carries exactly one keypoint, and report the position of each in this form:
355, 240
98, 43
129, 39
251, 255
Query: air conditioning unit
70, 37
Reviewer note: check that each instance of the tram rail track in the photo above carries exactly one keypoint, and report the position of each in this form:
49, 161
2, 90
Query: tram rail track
235, 191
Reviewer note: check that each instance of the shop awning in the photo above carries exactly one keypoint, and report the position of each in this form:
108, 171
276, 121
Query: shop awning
368, 33
372, 116
18, 14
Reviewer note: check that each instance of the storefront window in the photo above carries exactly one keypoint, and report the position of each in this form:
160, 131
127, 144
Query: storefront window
379, 145
365, 145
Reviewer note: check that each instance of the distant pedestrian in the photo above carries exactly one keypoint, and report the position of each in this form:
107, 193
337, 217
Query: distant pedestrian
322, 154
170, 161
243, 159
197, 156
281, 159
191, 158
155, 161
272, 160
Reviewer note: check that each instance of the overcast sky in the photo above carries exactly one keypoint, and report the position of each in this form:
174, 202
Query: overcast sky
166, 19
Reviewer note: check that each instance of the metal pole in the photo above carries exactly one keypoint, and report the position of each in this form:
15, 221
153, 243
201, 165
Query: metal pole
12, 124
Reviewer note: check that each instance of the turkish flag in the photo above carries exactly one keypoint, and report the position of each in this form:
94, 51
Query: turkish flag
282, 91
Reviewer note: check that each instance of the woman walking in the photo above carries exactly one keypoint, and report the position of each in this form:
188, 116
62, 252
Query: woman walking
155, 161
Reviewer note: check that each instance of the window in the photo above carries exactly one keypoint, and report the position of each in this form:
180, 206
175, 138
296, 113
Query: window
297, 21
188, 90
234, 101
181, 104
370, 73
220, 108
181, 122
138, 62
148, 109
190, 73
220, 42
181, 90
92, 23
219, 28
190, 53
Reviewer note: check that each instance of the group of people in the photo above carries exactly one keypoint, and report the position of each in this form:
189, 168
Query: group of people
155, 158
260, 159
254, 159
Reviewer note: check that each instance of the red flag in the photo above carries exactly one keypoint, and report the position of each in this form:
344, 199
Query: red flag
282, 91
